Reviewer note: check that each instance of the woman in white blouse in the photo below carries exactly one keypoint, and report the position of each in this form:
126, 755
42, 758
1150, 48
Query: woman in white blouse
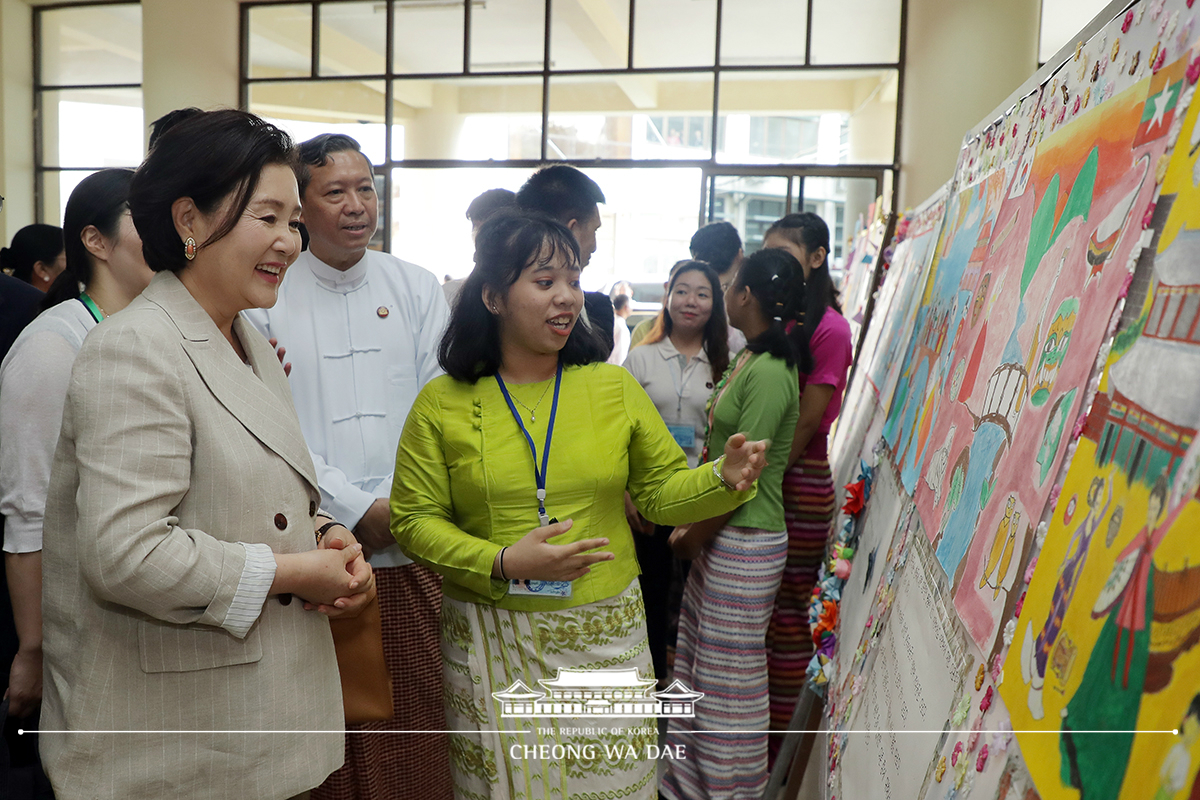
105, 271
678, 363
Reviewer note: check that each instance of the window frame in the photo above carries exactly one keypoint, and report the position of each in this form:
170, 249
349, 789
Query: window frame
708, 165
40, 169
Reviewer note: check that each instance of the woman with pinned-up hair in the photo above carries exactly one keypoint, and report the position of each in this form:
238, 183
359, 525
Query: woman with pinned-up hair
739, 556
35, 255
186, 646
808, 494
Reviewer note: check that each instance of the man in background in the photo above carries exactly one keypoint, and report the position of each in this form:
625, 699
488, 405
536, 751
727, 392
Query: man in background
482, 207
362, 330
622, 310
567, 195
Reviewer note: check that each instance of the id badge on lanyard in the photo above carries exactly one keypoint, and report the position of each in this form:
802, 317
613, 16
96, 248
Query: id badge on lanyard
533, 588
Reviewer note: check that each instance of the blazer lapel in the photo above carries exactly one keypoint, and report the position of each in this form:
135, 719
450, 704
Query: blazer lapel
265, 409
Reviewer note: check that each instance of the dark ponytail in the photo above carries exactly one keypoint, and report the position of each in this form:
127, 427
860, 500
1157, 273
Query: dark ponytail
31, 244
776, 280
100, 199
809, 231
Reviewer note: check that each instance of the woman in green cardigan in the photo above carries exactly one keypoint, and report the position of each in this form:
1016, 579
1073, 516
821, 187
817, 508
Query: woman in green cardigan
510, 482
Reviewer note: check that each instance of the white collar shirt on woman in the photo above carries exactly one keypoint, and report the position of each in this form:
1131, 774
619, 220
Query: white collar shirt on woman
362, 344
678, 386
33, 388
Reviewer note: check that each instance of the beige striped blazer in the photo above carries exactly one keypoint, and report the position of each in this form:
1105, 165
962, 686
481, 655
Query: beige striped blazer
172, 452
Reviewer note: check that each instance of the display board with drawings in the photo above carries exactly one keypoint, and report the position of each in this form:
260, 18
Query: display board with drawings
993, 410
914, 681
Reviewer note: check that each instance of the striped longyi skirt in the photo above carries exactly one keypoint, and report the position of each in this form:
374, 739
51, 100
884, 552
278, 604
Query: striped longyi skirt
721, 652
809, 504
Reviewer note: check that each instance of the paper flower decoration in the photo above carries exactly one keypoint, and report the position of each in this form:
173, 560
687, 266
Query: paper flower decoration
854, 498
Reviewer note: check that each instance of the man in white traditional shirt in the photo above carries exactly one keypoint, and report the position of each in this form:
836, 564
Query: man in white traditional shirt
361, 329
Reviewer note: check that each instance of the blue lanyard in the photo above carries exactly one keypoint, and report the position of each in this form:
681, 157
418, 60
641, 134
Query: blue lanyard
539, 475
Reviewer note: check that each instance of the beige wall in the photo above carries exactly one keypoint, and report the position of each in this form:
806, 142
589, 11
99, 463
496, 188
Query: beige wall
16, 112
189, 55
964, 58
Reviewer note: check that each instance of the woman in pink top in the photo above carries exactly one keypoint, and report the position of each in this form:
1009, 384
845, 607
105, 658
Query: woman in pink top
808, 498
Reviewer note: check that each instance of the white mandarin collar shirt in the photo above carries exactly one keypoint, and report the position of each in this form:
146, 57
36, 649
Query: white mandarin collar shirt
362, 344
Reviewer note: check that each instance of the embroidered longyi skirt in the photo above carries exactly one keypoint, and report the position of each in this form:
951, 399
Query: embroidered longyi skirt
542, 755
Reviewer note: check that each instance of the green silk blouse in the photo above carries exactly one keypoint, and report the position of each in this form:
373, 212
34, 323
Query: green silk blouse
464, 483
762, 400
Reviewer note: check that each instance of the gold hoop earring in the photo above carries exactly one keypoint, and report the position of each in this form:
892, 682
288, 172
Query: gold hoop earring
189, 248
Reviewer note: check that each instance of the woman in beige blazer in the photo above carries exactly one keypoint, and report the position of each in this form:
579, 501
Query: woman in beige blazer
183, 506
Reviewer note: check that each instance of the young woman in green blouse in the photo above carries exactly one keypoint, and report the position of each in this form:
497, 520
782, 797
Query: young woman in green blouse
510, 481
740, 554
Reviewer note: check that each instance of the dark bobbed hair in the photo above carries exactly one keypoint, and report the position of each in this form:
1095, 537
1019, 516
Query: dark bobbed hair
716, 330
809, 230
488, 203
170, 120
100, 199
508, 242
211, 157
560, 192
718, 244
316, 152
776, 280
31, 244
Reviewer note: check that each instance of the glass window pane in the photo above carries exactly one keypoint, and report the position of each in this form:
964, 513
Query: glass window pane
91, 44
750, 203
631, 116
92, 128
353, 38
837, 200
304, 110
589, 35
469, 118
508, 36
645, 226
807, 118
855, 31
280, 41
674, 33
429, 207
763, 32
428, 38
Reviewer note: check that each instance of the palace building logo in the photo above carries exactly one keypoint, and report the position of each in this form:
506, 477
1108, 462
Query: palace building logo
597, 693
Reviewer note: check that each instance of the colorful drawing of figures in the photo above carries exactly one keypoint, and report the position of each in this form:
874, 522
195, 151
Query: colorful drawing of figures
1000, 571
1173, 774
1109, 696
936, 473
1054, 351
1056, 423
1042, 336
1036, 649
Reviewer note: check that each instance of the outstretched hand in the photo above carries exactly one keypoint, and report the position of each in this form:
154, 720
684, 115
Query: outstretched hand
534, 558
744, 461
